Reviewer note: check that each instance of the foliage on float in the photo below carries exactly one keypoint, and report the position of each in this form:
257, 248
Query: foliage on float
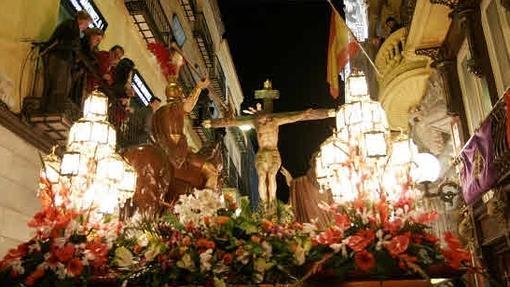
212, 239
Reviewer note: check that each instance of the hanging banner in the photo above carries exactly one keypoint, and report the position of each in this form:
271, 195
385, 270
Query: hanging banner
478, 173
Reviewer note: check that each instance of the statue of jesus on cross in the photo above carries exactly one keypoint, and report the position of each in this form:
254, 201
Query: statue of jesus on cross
266, 124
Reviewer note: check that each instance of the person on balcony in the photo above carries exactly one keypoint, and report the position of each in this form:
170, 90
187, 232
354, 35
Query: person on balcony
108, 60
121, 93
392, 24
86, 73
59, 55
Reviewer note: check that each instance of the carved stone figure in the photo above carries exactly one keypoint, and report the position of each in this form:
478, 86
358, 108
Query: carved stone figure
266, 124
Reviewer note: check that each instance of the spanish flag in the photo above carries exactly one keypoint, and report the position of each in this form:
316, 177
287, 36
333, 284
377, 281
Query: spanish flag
342, 46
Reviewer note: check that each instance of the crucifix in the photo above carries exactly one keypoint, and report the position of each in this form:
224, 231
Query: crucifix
266, 124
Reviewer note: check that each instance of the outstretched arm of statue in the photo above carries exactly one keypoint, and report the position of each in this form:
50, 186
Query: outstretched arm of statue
228, 122
287, 175
192, 99
308, 115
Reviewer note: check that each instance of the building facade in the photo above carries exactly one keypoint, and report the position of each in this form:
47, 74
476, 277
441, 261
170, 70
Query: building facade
443, 79
195, 26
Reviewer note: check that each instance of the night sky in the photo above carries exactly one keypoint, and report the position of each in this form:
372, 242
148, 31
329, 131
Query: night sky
285, 41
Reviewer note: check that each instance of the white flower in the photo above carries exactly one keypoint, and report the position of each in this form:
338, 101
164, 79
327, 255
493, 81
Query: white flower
186, 263
72, 228
309, 228
142, 240
299, 255
152, 252
201, 203
34, 247
205, 260
61, 271
59, 242
267, 249
336, 247
260, 265
243, 257
17, 266
123, 257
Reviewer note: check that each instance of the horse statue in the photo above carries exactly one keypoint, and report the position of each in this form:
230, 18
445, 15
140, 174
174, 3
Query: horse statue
167, 167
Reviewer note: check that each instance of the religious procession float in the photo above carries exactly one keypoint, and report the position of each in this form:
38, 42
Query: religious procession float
156, 215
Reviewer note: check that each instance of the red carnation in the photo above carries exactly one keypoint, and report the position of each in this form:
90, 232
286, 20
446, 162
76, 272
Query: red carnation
364, 260
75, 267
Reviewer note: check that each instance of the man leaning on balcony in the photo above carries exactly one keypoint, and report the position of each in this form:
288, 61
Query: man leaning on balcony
59, 55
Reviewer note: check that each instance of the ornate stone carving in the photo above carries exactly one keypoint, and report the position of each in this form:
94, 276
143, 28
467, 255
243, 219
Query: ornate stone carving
497, 206
425, 118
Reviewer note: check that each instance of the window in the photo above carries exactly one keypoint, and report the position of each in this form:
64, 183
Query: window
475, 93
141, 89
74, 6
178, 31
496, 25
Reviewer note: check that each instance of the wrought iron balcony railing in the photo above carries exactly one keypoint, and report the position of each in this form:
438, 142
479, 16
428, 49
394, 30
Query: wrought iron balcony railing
218, 79
151, 20
204, 40
189, 9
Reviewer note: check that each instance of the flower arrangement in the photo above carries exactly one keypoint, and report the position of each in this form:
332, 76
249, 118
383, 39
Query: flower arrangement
213, 239
381, 239
66, 249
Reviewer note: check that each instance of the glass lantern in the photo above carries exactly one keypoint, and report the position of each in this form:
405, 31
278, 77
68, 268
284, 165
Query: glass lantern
375, 144
95, 107
92, 136
51, 168
111, 168
356, 87
70, 164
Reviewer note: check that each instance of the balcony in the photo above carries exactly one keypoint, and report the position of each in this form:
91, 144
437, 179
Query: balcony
204, 40
149, 17
56, 125
402, 80
218, 79
189, 9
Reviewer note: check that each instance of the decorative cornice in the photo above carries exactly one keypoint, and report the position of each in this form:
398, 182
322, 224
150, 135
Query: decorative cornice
33, 136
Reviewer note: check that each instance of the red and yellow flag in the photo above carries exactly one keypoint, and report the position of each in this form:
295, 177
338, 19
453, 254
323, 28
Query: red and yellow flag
342, 46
